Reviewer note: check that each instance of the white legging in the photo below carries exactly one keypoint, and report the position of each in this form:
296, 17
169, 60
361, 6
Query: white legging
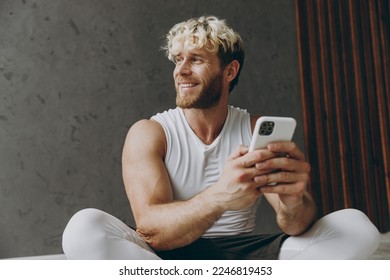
345, 234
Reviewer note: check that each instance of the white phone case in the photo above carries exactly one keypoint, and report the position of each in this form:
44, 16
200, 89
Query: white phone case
272, 129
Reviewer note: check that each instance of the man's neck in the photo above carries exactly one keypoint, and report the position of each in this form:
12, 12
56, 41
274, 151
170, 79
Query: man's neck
207, 124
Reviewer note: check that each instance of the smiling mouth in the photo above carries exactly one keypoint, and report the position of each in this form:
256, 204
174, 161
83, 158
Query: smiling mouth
187, 85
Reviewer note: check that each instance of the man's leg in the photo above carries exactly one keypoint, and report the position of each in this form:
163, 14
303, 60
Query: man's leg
344, 234
94, 234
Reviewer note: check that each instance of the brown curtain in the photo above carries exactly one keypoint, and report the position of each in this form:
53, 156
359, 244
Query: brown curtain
344, 58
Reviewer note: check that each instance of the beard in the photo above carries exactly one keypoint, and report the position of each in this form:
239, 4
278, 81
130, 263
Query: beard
207, 98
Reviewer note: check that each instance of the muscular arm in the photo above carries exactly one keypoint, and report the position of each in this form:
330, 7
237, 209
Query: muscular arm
295, 209
161, 222
294, 219
167, 224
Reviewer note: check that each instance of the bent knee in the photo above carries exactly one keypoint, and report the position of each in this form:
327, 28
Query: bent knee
85, 219
354, 219
84, 229
355, 226
89, 215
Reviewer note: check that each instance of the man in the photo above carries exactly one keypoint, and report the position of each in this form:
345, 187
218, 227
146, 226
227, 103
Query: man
193, 186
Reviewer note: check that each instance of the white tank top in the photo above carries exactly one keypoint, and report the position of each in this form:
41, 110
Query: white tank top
193, 166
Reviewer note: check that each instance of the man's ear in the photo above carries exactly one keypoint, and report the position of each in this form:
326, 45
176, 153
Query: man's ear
232, 70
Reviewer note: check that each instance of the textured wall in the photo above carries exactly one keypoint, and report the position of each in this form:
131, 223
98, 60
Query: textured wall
74, 76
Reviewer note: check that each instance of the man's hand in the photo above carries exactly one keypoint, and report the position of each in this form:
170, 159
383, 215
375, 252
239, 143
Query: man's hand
294, 206
292, 173
237, 186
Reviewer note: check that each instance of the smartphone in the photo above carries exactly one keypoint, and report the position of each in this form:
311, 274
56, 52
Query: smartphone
272, 129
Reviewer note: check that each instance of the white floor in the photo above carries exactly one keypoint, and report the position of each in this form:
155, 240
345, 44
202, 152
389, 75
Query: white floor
383, 252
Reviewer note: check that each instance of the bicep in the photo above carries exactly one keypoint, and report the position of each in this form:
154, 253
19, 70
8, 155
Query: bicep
144, 174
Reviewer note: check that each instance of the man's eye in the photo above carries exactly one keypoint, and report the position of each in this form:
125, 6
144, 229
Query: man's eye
197, 60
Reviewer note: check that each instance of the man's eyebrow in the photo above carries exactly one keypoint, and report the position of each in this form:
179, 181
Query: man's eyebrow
193, 52
198, 53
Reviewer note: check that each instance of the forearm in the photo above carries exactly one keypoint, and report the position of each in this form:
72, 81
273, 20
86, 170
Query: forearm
295, 218
176, 224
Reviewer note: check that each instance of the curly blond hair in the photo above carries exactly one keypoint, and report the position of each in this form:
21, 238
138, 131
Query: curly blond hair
207, 32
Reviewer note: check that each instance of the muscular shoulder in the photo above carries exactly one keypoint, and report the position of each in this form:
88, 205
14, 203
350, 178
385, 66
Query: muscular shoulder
146, 136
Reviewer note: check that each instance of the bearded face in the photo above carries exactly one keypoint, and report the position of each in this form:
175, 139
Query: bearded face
199, 96
198, 79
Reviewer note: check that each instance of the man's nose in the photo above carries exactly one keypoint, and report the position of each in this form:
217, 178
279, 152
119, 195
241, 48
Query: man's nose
183, 68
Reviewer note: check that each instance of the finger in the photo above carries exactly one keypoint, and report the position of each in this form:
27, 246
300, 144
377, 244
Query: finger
281, 177
284, 189
240, 151
257, 156
262, 171
289, 148
284, 163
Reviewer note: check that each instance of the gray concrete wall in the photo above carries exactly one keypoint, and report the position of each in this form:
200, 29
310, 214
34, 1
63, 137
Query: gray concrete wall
75, 75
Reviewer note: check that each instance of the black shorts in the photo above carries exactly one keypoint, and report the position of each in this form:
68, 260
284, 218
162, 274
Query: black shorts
240, 247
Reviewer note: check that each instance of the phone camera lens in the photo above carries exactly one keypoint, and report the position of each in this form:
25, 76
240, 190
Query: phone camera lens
266, 128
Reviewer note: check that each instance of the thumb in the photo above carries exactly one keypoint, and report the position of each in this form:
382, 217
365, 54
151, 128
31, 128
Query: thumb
239, 152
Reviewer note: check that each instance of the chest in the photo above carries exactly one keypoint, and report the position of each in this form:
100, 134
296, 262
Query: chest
192, 166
